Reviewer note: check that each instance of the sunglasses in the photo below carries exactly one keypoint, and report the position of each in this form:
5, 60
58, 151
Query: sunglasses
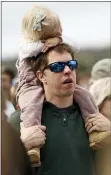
59, 66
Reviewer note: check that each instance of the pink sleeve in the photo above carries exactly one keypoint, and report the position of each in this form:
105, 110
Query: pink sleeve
85, 101
30, 96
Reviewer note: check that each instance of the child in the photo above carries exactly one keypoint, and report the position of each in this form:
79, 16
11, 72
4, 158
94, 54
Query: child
41, 29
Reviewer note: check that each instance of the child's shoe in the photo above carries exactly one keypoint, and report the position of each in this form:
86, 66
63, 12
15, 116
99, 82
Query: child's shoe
34, 155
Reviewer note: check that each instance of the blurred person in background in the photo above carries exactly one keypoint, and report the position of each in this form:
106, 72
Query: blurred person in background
101, 91
14, 158
100, 86
15, 119
100, 69
9, 108
7, 77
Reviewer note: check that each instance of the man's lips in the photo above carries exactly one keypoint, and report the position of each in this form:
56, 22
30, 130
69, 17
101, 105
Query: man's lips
68, 80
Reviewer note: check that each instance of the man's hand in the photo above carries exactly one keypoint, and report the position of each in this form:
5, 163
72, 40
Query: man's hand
51, 42
97, 122
33, 136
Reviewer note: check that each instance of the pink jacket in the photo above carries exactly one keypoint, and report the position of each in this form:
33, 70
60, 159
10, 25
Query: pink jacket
31, 96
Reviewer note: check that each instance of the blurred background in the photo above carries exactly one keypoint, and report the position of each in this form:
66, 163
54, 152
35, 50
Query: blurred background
86, 24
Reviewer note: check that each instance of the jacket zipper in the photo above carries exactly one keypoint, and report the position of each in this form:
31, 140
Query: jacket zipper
65, 119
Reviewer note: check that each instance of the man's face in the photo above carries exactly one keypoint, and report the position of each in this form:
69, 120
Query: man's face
54, 82
6, 81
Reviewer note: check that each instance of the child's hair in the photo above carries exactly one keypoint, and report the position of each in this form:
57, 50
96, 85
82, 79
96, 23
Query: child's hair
40, 23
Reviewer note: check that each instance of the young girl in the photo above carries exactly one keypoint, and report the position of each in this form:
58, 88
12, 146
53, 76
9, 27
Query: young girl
41, 29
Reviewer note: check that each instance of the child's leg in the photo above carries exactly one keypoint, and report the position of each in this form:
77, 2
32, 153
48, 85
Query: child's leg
87, 106
33, 138
85, 101
31, 102
30, 97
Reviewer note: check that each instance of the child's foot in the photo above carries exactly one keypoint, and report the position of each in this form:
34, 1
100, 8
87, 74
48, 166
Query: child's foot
99, 139
34, 155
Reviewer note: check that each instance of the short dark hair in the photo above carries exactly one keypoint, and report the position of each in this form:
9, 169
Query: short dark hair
41, 61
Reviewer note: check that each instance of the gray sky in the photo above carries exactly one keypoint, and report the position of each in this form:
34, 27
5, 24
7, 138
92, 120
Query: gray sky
85, 23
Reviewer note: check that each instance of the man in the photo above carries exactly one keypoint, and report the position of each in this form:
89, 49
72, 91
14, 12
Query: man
7, 77
66, 150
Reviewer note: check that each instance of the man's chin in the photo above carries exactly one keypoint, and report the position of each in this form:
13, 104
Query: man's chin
68, 93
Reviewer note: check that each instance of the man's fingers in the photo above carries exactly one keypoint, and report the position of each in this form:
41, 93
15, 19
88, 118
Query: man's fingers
88, 127
91, 125
38, 142
91, 120
46, 47
94, 128
43, 128
33, 136
43, 142
90, 117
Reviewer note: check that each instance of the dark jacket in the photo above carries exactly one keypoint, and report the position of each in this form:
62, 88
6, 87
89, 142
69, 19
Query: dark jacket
66, 151
14, 119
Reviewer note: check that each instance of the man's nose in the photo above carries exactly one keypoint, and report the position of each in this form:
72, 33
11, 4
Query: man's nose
67, 70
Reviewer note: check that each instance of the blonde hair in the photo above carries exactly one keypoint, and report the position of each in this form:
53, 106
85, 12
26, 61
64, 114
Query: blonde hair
100, 90
40, 23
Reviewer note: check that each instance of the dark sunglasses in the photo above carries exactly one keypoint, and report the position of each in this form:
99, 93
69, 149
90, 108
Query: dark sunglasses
59, 66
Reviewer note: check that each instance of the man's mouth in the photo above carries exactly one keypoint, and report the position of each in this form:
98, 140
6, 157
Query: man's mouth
67, 81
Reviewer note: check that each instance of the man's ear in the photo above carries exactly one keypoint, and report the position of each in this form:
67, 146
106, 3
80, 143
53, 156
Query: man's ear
41, 76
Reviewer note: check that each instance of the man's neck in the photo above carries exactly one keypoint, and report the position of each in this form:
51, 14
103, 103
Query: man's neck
60, 102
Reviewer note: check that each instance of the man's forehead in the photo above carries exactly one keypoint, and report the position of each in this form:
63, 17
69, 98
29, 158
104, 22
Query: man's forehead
54, 56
